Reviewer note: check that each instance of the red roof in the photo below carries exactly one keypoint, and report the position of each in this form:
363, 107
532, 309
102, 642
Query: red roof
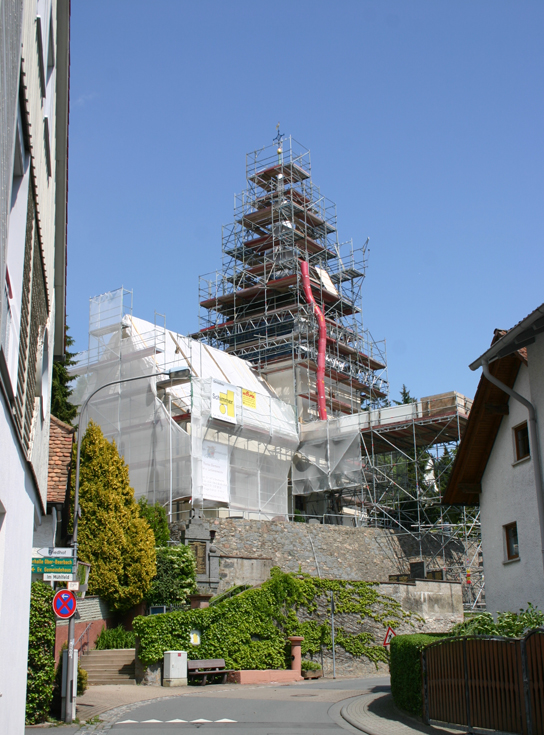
61, 439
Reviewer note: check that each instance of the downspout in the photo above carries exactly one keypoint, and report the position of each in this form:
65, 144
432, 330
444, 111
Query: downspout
533, 444
322, 343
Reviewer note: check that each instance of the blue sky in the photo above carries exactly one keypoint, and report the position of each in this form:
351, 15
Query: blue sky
425, 123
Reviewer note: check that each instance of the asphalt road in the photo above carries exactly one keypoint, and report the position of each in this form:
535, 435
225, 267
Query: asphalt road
302, 709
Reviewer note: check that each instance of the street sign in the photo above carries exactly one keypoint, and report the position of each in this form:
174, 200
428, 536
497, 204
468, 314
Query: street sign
53, 565
73, 586
64, 604
388, 636
54, 551
59, 577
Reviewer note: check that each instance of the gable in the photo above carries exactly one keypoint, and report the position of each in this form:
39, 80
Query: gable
489, 407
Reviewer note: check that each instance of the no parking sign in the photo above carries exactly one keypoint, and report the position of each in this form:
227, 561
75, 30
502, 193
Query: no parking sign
64, 604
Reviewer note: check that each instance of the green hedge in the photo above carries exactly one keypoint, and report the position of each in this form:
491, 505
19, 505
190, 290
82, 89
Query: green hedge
41, 653
405, 668
250, 630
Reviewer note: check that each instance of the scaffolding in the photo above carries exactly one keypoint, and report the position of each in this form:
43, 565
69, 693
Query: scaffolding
256, 308
369, 463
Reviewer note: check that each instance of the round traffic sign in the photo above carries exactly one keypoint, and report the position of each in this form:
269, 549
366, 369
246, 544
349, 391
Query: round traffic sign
64, 604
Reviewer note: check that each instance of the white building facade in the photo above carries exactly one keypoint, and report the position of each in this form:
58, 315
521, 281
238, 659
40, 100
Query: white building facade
34, 47
499, 465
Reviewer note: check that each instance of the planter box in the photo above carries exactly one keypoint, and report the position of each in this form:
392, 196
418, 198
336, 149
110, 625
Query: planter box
264, 676
312, 674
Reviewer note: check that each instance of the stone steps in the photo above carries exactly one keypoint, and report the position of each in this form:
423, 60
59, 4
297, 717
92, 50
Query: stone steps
110, 667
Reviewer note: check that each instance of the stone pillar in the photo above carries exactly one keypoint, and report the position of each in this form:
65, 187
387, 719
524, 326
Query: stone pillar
199, 600
296, 656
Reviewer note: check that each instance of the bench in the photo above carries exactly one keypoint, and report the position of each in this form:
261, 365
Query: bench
208, 667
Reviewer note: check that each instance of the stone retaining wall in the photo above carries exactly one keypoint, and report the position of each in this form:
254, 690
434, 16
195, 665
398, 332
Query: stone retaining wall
335, 552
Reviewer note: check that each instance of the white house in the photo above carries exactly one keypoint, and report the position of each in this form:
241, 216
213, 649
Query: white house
499, 465
34, 74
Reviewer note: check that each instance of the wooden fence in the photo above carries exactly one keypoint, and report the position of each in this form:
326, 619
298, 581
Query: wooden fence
484, 682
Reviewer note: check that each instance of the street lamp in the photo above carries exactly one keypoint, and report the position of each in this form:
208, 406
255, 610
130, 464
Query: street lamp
174, 377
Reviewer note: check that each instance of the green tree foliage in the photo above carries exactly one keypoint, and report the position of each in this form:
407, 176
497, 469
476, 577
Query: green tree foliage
176, 576
60, 388
405, 397
156, 516
250, 630
113, 537
41, 654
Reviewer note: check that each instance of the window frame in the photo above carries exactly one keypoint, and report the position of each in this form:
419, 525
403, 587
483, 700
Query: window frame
516, 431
506, 528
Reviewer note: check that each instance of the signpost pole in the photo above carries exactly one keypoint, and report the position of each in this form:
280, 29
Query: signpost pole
70, 699
332, 635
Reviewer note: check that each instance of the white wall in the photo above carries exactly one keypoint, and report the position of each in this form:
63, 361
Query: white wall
508, 495
18, 498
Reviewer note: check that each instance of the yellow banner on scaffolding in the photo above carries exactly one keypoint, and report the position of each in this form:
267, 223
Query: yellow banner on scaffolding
249, 398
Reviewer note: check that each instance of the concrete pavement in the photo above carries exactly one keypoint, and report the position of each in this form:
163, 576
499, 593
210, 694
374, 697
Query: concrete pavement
325, 706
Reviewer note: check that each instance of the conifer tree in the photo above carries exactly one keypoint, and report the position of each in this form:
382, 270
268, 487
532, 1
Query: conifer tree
60, 388
112, 536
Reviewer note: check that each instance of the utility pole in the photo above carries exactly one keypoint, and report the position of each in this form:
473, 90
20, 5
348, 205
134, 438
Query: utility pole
175, 377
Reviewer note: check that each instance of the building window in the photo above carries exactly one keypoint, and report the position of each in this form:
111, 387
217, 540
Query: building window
511, 535
521, 441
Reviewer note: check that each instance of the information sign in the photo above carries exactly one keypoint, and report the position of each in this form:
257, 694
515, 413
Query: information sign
194, 637
223, 401
249, 398
51, 551
64, 604
58, 577
53, 565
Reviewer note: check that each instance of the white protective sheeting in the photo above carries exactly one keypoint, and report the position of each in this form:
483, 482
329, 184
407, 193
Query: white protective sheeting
242, 462
328, 457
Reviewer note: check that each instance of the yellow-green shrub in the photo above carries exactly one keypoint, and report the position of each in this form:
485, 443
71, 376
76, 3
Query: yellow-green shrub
113, 537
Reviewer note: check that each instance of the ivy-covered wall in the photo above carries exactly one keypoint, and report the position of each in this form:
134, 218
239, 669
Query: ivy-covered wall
250, 630
41, 660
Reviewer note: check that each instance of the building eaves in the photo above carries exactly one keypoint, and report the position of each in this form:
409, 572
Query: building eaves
489, 407
523, 334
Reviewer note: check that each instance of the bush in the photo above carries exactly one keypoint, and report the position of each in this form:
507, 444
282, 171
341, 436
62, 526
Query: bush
113, 638
82, 678
113, 537
306, 665
250, 630
508, 624
176, 576
41, 653
405, 669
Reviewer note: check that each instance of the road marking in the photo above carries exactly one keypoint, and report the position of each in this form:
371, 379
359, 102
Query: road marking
140, 722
